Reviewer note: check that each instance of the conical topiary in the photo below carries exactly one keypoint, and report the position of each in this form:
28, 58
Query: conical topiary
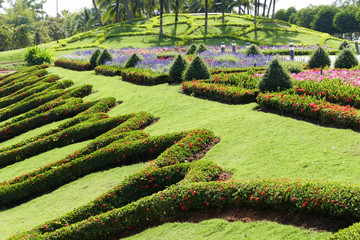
346, 59
177, 69
252, 50
132, 61
275, 78
343, 45
319, 59
191, 50
94, 58
105, 56
201, 48
196, 70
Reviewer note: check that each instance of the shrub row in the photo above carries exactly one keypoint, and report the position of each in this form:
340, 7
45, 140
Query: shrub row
310, 197
72, 65
220, 92
149, 180
20, 73
243, 79
238, 70
308, 106
108, 70
143, 77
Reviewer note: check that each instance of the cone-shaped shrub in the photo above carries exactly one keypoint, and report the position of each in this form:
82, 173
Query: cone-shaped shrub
346, 59
319, 59
275, 78
201, 48
105, 56
94, 58
252, 50
191, 50
197, 70
177, 69
132, 61
343, 45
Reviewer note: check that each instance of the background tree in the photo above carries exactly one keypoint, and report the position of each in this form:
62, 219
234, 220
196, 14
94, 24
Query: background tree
21, 37
345, 20
5, 38
324, 18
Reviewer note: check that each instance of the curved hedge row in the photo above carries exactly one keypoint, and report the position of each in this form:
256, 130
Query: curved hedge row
143, 77
108, 70
73, 65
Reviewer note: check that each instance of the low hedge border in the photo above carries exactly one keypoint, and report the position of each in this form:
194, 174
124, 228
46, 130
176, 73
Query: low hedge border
143, 76
220, 92
72, 65
238, 70
20, 73
308, 106
108, 70
241, 79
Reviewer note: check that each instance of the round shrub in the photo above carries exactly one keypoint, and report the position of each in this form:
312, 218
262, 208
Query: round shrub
94, 57
132, 61
343, 45
252, 50
36, 56
191, 50
275, 78
197, 70
319, 59
346, 59
105, 56
201, 48
177, 69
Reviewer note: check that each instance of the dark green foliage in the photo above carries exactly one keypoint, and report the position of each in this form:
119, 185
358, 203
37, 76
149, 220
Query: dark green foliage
346, 59
196, 70
132, 61
201, 48
252, 50
37, 56
319, 59
343, 45
177, 69
191, 50
105, 56
94, 57
275, 78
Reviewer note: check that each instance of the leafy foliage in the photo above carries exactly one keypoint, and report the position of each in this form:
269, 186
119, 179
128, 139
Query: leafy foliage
36, 56
105, 56
252, 50
319, 59
197, 70
191, 50
343, 45
94, 57
132, 61
201, 48
275, 78
346, 59
177, 68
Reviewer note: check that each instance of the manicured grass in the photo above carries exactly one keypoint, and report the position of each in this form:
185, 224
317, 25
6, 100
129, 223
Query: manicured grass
275, 25
171, 19
221, 229
25, 216
82, 42
139, 41
334, 43
240, 20
210, 31
12, 56
126, 29
217, 41
211, 21
175, 29
230, 29
282, 37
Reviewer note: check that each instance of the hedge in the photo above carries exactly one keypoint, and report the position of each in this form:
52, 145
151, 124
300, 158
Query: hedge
220, 92
108, 70
243, 80
238, 70
73, 65
143, 77
310, 107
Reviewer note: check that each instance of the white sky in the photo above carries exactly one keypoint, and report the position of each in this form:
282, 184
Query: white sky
75, 5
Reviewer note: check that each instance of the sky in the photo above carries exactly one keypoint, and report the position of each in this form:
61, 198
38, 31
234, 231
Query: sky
75, 5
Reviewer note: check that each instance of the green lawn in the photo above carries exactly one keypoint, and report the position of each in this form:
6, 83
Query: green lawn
171, 19
139, 41
82, 42
217, 41
126, 29
282, 37
230, 29
334, 43
175, 29
275, 25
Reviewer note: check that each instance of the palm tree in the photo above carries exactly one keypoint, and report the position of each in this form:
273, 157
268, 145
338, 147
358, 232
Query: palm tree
206, 15
273, 13
268, 13
255, 12
176, 10
161, 16
97, 13
264, 5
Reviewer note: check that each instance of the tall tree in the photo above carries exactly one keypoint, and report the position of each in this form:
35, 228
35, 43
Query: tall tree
161, 16
255, 12
264, 8
269, 8
97, 13
206, 14
176, 10
273, 12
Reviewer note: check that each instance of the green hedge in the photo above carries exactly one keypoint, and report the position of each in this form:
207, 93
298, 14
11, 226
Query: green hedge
108, 70
143, 77
73, 65
243, 79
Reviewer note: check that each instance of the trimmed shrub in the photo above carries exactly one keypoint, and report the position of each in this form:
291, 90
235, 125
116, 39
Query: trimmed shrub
36, 56
252, 50
191, 50
107, 70
105, 56
319, 59
346, 59
73, 65
275, 78
143, 76
343, 45
177, 69
132, 61
196, 70
201, 48
94, 57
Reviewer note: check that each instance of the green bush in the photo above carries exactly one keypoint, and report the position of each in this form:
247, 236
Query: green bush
177, 69
196, 70
105, 56
107, 70
94, 57
143, 76
319, 59
132, 61
191, 50
275, 78
293, 66
201, 48
346, 59
36, 56
252, 50
343, 45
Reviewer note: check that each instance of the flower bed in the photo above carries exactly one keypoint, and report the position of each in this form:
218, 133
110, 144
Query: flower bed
243, 80
308, 106
220, 92
346, 76
72, 65
107, 70
143, 77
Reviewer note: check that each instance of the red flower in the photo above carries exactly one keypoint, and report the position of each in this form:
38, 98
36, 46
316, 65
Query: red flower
183, 208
